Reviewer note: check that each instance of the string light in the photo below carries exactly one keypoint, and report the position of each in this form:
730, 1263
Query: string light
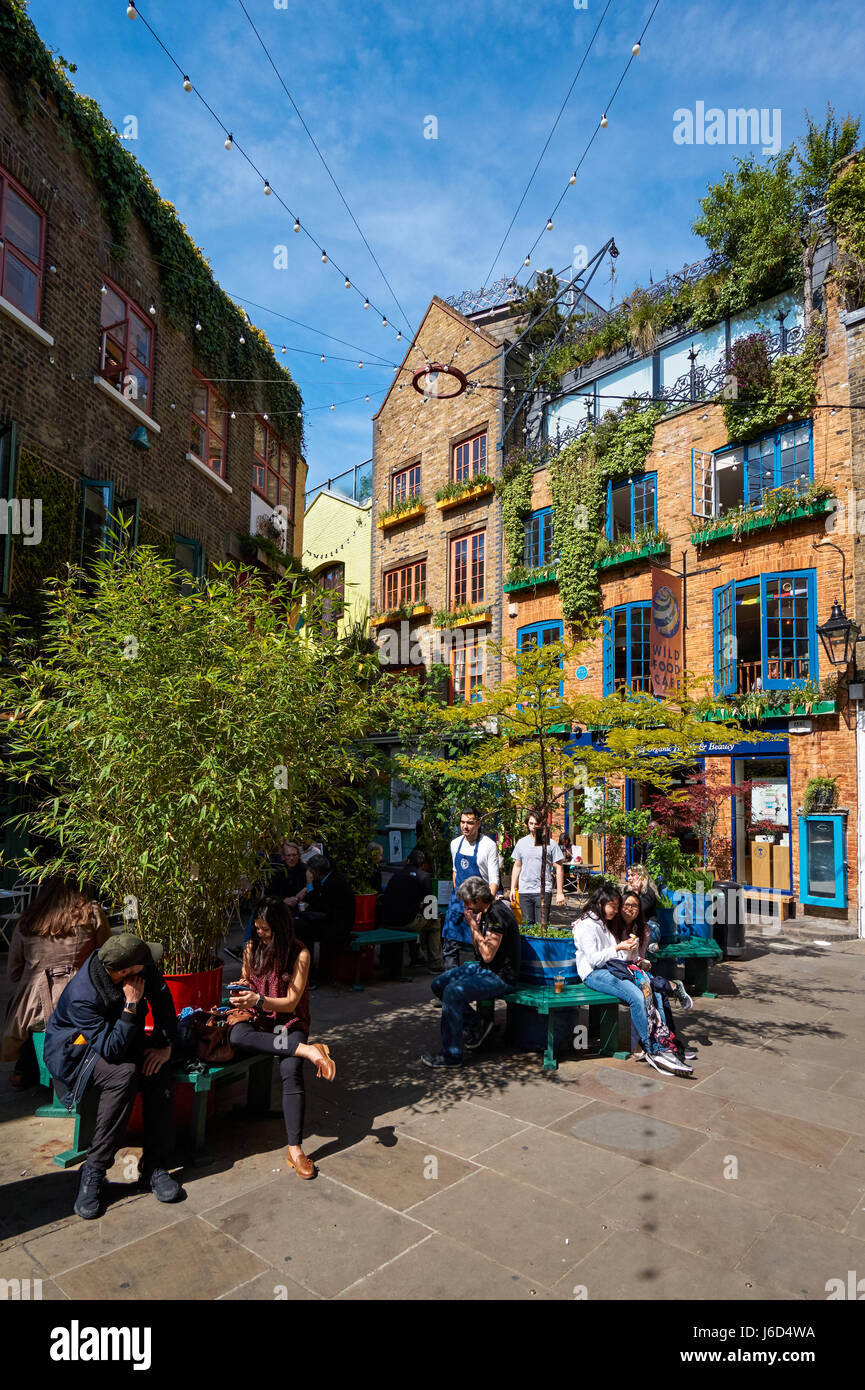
267, 189
104, 289
366, 303
347, 283
322, 357
187, 85
604, 123
324, 258
197, 326
229, 142
549, 224
283, 349
152, 310
131, 12
573, 178
360, 364
527, 261
635, 50
384, 322
296, 225
241, 340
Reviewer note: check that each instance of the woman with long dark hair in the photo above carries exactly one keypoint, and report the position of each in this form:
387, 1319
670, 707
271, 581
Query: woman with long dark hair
604, 948
276, 973
662, 990
52, 939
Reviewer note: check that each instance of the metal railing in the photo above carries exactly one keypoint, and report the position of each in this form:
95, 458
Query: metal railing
358, 489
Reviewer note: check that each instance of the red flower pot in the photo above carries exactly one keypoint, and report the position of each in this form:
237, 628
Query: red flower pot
364, 911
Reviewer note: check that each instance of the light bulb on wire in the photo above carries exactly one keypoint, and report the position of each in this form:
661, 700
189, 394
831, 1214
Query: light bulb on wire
322, 358
296, 225
573, 177
549, 224
604, 122
366, 303
229, 141
187, 85
131, 12
347, 283
324, 258
267, 188
383, 321
527, 261
635, 50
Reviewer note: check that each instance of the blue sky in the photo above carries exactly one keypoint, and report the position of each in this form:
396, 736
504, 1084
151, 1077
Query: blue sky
494, 74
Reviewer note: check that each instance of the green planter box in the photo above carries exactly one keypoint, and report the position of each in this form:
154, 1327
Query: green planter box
760, 523
785, 712
627, 556
546, 577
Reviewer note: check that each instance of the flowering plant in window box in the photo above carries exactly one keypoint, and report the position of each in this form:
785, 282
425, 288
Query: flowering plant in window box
401, 511
403, 610
465, 616
649, 540
453, 493
522, 577
779, 504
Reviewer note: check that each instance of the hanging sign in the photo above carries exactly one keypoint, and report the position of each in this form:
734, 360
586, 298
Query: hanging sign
666, 633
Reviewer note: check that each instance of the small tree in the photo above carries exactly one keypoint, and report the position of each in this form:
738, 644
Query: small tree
169, 737
526, 732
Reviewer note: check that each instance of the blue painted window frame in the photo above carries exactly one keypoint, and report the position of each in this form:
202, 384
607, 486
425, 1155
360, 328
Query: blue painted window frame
753, 480
197, 573
724, 624
840, 860
639, 483
109, 537
609, 641
537, 630
538, 527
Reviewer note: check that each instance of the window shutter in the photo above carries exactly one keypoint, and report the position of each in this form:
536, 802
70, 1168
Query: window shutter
702, 483
608, 653
725, 639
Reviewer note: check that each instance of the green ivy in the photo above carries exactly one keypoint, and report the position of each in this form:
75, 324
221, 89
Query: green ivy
32, 565
791, 388
845, 208
190, 294
514, 489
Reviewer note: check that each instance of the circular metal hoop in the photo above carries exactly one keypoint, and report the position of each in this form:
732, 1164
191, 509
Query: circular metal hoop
434, 379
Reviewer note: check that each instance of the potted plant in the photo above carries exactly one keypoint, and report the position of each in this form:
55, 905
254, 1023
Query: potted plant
821, 794
350, 834
168, 735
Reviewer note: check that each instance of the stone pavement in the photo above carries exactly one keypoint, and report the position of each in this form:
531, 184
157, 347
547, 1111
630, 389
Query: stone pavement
603, 1179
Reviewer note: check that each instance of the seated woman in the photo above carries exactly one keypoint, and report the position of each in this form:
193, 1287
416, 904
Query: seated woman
566, 847
276, 971
52, 939
635, 924
601, 959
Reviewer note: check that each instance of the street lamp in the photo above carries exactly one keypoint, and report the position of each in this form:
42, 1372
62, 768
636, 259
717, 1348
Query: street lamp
839, 635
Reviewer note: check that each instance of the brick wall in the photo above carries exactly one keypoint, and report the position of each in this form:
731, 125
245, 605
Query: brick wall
48, 390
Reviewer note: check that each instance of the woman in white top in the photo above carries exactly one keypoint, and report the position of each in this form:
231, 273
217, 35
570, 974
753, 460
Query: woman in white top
600, 958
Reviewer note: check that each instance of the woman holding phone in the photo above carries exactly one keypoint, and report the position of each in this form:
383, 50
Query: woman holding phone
601, 964
656, 990
274, 987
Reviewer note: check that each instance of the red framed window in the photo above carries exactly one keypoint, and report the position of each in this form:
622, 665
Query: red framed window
405, 585
467, 569
126, 353
22, 248
208, 425
274, 469
331, 583
470, 458
467, 670
406, 484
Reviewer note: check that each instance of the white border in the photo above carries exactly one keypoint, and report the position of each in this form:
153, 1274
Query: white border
146, 420
24, 321
208, 472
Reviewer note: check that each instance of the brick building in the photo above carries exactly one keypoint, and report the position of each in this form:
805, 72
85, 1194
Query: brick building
113, 364
755, 593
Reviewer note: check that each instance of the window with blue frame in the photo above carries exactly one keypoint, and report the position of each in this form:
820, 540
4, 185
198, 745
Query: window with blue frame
632, 506
189, 557
765, 633
626, 647
95, 531
538, 539
742, 476
541, 635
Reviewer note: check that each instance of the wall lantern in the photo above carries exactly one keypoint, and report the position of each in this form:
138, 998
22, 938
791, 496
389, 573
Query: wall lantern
839, 635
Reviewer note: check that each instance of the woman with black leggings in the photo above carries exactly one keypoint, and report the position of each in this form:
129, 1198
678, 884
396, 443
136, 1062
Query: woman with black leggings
276, 972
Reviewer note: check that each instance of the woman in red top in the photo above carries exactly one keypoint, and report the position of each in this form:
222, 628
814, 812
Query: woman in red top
276, 971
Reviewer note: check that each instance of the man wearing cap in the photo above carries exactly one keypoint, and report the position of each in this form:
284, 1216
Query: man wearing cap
96, 1036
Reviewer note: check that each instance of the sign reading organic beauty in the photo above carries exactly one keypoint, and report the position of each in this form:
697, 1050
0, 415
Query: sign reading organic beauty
666, 633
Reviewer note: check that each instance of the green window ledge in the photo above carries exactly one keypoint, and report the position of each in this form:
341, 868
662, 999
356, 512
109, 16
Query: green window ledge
625, 556
533, 582
760, 521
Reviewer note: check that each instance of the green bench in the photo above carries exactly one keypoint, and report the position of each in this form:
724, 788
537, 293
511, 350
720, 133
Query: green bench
545, 1001
696, 952
382, 936
258, 1068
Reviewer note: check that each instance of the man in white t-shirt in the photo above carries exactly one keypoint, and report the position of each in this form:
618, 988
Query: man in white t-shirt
526, 876
474, 856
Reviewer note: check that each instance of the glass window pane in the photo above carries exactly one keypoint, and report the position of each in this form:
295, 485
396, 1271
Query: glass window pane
196, 439
272, 495
113, 311
19, 285
22, 225
258, 472
199, 399
214, 454
215, 414
273, 453
135, 386
258, 438
141, 334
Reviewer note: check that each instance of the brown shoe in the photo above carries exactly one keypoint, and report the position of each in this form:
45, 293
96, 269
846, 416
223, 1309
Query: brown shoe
304, 1167
326, 1068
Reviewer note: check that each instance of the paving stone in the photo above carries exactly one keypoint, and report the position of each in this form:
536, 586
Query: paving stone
850, 1083
778, 1134
270, 1287
527, 1231
634, 1265
802, 1257
323, 1235
814, 1192
639, 1137
464, 1129
530, 1099
558, 1164
440, 1269
761, 1062
186, 1261
127, 1219
800, 1102
850, 1162
641, 1088
398, 1174
16, 1262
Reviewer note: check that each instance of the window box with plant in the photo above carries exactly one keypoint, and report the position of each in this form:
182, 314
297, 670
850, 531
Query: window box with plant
464, 616
809, 698
454, 494
522, 578
821, 794
402, 610
625, 548
778, 506
405, 510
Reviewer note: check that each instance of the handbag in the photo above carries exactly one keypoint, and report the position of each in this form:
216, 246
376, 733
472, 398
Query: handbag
213, 1031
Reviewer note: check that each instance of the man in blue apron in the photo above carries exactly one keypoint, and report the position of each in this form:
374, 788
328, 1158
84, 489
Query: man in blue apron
475, 856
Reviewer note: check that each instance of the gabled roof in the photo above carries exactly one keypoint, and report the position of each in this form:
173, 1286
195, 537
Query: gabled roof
435, 303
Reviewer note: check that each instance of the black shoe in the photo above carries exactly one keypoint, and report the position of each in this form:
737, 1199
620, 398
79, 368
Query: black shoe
440, 1060
88, 1203
162, 1185
479, 1032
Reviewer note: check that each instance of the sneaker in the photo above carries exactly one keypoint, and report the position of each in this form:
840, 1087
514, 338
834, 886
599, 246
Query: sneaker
440, 1060
689, 1054
682, 994
668, 1061
638, 1056
480, 1031
162, 1185
88, 1203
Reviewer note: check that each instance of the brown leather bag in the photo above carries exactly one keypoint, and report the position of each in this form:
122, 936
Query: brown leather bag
214, 1045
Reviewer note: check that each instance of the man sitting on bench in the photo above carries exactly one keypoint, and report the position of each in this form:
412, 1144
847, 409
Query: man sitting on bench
492, 974
96, 1034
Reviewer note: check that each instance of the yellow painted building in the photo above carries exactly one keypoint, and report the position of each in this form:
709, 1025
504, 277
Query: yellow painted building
337, 547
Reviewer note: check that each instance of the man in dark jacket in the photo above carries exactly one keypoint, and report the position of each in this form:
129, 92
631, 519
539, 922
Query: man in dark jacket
329, 916
96, 1036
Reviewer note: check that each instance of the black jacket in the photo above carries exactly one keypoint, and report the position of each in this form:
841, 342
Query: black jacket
403, 898
91, 1008
331, 901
